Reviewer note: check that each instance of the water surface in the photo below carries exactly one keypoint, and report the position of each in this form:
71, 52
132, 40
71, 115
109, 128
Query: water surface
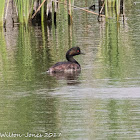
102, 102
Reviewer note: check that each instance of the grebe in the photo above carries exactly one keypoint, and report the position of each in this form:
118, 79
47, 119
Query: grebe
68, 66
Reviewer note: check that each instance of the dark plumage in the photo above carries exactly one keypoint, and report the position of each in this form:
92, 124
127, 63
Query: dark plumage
67, 66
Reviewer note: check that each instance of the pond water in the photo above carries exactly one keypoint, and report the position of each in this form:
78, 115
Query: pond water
101, 102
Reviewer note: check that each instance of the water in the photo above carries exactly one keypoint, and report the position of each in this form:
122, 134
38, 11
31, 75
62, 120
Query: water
102, 102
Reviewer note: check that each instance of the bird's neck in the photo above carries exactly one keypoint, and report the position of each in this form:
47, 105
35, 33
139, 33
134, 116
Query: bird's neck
71, 59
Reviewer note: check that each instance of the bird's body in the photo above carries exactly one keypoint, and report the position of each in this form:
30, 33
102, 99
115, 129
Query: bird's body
67, 66
64, 67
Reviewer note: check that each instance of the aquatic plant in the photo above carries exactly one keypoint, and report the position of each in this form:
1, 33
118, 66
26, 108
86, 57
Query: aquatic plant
2, 4
110, 5
24, 9
42, 12
27, 10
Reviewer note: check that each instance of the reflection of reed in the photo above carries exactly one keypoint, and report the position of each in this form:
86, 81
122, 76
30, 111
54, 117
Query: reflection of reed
25, 57
115, 52
110, 50
3, 58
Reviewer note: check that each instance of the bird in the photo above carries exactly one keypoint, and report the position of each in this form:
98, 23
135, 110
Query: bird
71, 65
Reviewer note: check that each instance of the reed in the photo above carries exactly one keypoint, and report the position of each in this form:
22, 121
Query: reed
110, 5
42, 11
24, 9
53, 11
2, 4
70, 4
106, 9
118, 9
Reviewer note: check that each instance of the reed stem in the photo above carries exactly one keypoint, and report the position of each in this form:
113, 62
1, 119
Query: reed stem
38, 8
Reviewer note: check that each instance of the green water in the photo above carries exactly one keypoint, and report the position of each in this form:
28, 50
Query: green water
102, 102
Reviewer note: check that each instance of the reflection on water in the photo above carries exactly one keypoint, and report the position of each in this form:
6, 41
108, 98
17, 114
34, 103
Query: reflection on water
70, 77
100, 102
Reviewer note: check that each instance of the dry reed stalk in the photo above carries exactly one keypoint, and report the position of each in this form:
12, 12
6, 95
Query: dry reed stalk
102, 7
38, 9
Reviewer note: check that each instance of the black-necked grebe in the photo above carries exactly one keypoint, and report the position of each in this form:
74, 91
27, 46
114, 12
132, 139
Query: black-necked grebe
69, 66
